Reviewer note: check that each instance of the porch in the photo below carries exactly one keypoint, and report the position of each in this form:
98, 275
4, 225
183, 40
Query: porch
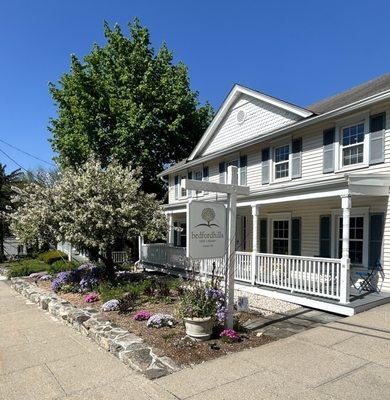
304, 244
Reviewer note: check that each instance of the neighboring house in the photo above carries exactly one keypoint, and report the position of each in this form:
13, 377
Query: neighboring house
309, 169
13, 247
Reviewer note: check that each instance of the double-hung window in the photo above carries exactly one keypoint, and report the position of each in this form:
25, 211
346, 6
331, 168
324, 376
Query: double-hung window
280, 236
352, 142
356, 239
183, 192
281, 162
199, 177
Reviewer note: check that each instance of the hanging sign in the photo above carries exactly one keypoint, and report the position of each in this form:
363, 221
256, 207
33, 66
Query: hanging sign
206, 230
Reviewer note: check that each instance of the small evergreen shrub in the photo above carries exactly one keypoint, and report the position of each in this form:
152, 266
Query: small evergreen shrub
51, 256
61, 266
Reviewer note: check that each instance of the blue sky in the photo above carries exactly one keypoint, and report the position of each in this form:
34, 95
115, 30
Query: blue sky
300, 51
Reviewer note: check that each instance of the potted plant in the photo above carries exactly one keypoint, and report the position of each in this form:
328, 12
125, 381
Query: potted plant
200, 306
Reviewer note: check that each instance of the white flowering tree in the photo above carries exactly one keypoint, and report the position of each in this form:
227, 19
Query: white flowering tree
92, 208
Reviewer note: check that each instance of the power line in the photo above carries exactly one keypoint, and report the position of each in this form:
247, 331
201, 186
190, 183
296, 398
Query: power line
15, 162
28, 154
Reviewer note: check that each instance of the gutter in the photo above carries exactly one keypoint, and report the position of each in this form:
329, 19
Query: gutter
301, 124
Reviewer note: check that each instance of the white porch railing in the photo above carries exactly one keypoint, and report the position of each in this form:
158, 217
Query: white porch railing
120, 256
310, 275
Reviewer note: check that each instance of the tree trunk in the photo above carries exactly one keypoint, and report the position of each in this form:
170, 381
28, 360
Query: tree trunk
108, 263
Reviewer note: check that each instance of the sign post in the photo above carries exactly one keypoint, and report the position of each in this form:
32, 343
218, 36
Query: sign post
232, 189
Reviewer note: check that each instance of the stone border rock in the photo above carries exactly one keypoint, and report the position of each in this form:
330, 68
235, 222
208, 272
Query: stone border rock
126, 346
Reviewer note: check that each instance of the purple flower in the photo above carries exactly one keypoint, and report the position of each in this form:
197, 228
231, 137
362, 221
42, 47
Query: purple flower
229, 335
111, 305
215, 293
142, 315
221, 313
88, 283
56, 285
91, 298
67, 277
160, 320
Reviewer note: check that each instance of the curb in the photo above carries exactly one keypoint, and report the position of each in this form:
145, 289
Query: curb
126, 346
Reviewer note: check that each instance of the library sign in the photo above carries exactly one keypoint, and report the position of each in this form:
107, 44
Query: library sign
206, 230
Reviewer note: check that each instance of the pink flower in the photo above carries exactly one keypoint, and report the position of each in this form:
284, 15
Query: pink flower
91, 298
142, 315
229, 335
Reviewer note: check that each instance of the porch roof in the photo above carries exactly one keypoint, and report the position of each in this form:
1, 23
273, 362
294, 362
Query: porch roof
353, 184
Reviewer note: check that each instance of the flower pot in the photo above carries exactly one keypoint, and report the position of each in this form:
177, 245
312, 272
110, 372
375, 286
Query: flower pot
199, 328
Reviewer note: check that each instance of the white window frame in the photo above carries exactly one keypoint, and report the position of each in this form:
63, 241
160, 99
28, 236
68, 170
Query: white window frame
340, 126
270, 220
181, 196
274, 163
355, 212
198, 193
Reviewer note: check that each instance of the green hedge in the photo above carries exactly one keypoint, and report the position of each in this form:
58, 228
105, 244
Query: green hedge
52, 256
61, 266
25, 268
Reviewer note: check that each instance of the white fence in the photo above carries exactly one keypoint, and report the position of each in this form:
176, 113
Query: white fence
310, 275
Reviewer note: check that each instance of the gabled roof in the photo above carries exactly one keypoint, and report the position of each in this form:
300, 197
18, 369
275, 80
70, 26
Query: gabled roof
360, 92
359, 96
231, 98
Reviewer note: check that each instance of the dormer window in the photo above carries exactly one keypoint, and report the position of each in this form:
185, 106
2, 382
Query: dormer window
352, 141
281, 164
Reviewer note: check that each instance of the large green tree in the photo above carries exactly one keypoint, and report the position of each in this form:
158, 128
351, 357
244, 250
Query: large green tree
125, 101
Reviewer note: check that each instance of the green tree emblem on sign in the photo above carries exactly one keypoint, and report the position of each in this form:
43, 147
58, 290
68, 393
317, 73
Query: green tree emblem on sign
208, 215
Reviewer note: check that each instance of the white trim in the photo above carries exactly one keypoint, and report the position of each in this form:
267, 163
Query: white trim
232, 96
274, 163
271, 217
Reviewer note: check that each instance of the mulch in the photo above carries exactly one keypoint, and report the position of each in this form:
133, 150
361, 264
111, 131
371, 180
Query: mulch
168, 341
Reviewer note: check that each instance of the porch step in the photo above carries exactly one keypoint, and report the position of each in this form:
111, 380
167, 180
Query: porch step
358, 303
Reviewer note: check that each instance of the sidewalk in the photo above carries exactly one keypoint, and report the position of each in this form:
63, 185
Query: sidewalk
345, 359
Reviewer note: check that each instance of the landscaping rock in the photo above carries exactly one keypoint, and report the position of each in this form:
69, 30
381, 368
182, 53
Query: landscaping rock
129, 348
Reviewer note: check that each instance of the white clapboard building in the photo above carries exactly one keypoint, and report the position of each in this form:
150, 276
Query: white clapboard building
311, 170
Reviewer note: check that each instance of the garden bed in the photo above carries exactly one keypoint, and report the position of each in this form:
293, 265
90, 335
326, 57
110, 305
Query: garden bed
168, 341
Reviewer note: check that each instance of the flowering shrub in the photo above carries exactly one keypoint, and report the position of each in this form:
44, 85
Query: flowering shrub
111, 305
142, 315
46, 277
202, 300
67, 277
88, 283
229, 336
160, 320
91, 298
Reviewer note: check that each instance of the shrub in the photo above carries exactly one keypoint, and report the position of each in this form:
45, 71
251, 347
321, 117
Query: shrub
56, 285
229, 336
110, 305
109, 290
142, 315
52, 255
160, 320
25, 268
128, 301
163, 289
62, 265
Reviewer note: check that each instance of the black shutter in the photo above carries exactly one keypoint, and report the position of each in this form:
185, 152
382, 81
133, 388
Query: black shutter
328, 150
296, 236
263, 236
376, 237
176, 187
189, 192
325, 236
206, 176
296, 167
243, 165
377, 138
222, 169
265, 166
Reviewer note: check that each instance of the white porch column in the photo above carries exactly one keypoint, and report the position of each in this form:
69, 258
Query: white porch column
255, 231
170, 237
345, 260
140, 243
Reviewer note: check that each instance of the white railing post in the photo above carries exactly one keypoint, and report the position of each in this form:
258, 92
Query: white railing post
255, 230
170, 229
140, 244
345, 260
